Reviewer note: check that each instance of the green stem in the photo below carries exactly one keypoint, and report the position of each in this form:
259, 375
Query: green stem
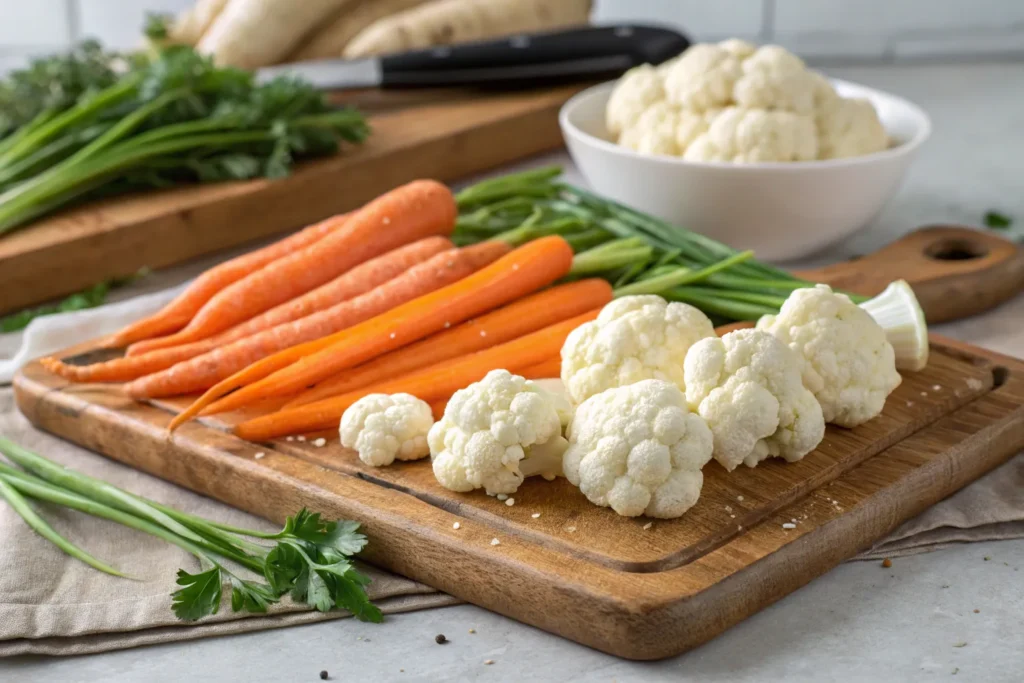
40, 489
681, 276
732, 310
85, 108
39, 525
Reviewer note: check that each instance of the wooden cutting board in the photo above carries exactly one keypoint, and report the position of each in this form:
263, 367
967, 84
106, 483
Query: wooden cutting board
420, 134
637, 588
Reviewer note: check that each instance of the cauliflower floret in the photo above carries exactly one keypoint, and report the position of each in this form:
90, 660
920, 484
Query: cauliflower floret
752, 135
703, 78
664, 129
740, 49
633, 338
850, 128
774, 78
747, 386
494, 433
638, 89
638, 450
848, 363
385, 427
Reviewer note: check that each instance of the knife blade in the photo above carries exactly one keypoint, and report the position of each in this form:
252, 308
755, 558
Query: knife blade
518, 61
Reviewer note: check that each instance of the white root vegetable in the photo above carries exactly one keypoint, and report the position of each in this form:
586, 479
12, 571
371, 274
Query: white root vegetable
443, 22
190, 26
252, 33
330, 40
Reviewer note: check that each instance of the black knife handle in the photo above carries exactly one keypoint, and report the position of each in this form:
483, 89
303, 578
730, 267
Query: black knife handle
534, 59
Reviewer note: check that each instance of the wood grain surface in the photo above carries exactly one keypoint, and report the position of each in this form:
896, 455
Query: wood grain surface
613, 583
446, 137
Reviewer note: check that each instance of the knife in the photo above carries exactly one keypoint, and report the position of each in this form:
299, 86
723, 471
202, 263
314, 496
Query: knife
517, 61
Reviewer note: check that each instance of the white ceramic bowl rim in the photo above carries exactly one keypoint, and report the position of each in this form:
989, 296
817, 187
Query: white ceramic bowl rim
922, 130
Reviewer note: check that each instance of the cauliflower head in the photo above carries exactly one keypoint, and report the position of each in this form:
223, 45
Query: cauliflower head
747, 386
638, 89
775, 79
496, 432
633, 338
847, 361
850, 128
753, 135
638, 450
385, 427
665, 129
735, 102
703, 77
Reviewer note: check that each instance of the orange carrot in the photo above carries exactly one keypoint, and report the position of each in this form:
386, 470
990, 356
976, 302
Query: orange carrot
514, 320
408, 213
527, 269
177, 313
433, 383
549, 368
204, 371
358, 281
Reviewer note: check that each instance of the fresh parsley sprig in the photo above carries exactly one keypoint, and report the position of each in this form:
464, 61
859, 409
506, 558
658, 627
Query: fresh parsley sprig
310, 559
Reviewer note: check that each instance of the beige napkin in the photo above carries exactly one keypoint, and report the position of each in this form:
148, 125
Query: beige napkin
51, 604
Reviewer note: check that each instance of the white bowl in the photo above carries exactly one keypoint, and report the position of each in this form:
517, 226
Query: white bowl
780, 210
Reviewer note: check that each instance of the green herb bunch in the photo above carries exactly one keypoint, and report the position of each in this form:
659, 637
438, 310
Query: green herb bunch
310, 559
107, 125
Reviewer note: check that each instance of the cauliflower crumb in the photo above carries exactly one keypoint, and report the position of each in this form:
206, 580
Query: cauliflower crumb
320, 443
289, 438
260, 455
510, 502
739, 498
300, 438
571, 529
936, 387
789, 525
456, 525
483, 333
536, 515
975, 384
392, 335
495, 541
648, 525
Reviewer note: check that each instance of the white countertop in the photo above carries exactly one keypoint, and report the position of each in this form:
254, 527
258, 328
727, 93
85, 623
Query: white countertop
860, 622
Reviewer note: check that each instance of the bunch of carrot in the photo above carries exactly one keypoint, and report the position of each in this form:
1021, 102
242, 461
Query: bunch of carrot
418, 291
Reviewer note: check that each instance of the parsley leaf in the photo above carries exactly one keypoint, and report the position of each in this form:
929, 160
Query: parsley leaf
199, 594
997, 221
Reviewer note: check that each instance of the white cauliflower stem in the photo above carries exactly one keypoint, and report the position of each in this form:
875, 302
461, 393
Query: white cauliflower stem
747, 386
385, 427
638, 450
633, 338
496, 432
896, 309
848, 362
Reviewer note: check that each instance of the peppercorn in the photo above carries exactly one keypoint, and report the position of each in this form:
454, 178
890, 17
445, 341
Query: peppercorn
440, 639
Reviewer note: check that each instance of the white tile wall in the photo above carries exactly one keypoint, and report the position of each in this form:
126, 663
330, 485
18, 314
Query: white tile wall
835, 30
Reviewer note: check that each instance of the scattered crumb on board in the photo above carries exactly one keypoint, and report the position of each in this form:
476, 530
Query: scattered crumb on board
495, 541
536, 515
975, 383
300, 438
456, 525
320, 443
648, 525
510, 502
260, 455
789, 525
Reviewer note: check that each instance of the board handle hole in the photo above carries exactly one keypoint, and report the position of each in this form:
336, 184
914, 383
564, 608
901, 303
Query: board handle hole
955, 250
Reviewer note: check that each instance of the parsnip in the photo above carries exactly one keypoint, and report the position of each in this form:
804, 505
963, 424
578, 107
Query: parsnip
255, 33
442, 22
189, 26
331, 39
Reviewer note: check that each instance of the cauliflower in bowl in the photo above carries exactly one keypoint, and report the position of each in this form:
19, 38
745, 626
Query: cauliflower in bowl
638, 450
739, 103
